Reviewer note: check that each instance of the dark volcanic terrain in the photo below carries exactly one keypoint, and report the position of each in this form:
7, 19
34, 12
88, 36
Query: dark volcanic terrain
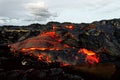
22, 46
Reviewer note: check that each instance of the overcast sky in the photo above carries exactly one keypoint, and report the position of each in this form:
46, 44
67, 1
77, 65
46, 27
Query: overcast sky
23, 12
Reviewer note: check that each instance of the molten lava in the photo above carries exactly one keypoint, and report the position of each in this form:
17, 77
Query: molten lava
46, 44
51, 34
54, 27
64, 64
43, 57
44, 41
70, 27
90, 56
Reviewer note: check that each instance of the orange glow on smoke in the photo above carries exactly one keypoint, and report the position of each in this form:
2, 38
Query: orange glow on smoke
90, 56
69, 27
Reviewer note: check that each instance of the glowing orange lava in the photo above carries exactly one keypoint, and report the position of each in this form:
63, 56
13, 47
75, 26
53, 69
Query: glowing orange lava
90, 56
44, 41
51, 41
64, 64
43, 57
69, 27
54, 27
51, 34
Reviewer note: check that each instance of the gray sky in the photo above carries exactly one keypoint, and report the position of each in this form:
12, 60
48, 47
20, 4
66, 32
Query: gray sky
22, 12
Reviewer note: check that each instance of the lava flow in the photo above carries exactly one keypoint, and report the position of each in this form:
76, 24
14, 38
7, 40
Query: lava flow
48, 47
44, 41
90, 56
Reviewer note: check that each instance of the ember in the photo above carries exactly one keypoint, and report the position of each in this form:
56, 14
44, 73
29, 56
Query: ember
90, 56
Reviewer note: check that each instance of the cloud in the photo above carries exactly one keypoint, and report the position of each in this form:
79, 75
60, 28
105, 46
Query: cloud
12, 11
85, 11
109, 7
10, 21
38, 11
42, 11
26, 11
